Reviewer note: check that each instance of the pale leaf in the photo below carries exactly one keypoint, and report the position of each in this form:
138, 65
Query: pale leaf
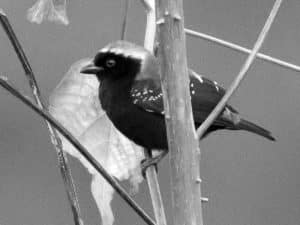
53, 10
75, 103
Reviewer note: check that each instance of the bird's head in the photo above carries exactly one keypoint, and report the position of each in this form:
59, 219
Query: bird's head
123, 60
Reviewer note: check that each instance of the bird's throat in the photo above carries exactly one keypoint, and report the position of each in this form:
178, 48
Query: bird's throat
114, 95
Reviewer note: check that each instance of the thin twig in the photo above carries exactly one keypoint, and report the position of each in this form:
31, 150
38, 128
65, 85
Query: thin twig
85, 153
235, 84
151, 173
154, 189
242, 49
125, 18
61, 157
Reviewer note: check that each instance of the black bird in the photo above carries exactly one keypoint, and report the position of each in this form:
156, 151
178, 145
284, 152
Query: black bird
130, 93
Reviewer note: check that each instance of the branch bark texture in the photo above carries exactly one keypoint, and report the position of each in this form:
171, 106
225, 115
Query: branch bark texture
182, 139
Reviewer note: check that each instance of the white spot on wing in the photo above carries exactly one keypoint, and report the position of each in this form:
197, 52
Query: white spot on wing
216, 85
149, 110
199, 78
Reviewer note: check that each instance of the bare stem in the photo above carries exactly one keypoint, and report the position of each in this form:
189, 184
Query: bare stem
235, 84
242, 49
155, 194
61, 157
151, 24
125, 18
85, 153
151, 173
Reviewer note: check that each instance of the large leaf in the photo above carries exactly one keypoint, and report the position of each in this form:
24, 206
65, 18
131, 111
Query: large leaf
75, 103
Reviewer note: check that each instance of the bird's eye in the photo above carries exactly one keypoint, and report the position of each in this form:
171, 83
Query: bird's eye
110, 63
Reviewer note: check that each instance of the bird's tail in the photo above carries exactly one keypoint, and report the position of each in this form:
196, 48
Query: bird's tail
251, 127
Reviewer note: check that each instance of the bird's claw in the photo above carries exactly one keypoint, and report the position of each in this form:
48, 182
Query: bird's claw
151, 161
146, 163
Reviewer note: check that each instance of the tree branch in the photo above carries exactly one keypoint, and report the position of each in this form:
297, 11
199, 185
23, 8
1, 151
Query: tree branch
61, 157
150, 31
235, 84
239, 48
64, 132
151, 173
182, 139
125, 18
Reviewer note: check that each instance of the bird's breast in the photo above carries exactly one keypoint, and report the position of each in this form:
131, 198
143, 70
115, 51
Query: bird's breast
113, 97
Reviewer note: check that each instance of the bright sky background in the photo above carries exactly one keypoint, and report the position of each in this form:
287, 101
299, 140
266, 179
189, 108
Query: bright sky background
248, 180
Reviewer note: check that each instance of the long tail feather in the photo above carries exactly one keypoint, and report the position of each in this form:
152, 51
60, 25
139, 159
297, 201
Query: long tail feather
251, 127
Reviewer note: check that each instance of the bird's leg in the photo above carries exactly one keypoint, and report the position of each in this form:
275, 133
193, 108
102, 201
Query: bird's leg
151, 161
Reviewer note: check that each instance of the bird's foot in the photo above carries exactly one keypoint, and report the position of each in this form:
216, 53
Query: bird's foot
146, 163
151, 161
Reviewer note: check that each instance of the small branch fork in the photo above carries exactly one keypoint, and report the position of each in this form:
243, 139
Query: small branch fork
52, 125
235, 84
61, 157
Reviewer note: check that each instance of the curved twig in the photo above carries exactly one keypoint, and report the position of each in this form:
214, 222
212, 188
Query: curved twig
235, 84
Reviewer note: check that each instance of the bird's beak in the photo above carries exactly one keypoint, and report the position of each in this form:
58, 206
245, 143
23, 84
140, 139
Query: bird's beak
91, 69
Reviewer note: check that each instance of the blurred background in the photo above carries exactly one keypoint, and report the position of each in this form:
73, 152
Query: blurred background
248, 180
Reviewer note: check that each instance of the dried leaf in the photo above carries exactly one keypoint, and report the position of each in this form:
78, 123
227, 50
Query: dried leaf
53, 10
75, 103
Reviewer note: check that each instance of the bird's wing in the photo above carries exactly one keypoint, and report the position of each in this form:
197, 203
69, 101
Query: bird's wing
147, 94
205, 96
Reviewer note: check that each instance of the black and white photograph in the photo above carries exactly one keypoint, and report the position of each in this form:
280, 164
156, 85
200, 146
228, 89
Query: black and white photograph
149, 112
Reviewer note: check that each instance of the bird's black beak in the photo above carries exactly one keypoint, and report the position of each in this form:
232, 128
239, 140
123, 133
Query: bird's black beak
91, 69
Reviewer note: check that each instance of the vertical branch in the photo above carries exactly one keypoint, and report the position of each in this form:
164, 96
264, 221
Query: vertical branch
125, 18
154, 189
151, 25
151, 174
235, 84
61, 157
182, 139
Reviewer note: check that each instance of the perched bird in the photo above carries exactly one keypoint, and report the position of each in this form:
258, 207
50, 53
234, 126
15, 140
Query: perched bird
130, 93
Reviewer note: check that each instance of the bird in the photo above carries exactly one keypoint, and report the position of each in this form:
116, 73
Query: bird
131, 95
